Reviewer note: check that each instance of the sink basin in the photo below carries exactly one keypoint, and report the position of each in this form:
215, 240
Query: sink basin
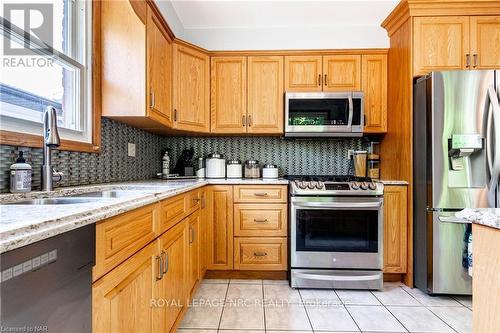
108, 194
56, 201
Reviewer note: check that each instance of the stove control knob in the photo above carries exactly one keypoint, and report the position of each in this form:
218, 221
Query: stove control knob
311, 185
320, 186
355, 186
364, 186
302, 185
372, 186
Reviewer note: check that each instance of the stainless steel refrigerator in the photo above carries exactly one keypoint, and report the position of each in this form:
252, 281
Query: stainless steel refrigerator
456, 163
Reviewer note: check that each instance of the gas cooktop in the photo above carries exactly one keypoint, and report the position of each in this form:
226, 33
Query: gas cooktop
334, 185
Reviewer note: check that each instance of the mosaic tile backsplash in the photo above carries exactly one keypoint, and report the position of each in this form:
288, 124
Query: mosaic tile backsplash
293, 156
111, 165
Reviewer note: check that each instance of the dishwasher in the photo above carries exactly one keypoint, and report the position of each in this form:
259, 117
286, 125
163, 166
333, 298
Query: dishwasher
47, 286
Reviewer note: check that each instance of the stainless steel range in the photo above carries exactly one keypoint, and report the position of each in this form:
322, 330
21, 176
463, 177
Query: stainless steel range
336, 232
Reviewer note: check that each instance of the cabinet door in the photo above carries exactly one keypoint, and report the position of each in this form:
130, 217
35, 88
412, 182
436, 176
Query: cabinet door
194, 250
159, 71
395, 229
374, 69
228, 94
441, 43
485, 42
342, 73
121, 300
221, 228
204, 224
191, 89
303, 73
173, 249
265, 95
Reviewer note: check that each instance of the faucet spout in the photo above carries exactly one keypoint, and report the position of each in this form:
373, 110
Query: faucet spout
50, 140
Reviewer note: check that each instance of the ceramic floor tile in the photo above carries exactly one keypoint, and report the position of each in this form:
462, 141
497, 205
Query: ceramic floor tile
242, 317
286, 317
464, 300
357, 297
281, 293
268, 331
375, 319
206, 317
275, 282
211, 291
319, 297
247, 292
226, 281
243, 331
189, 330
428, 300
245, 281
331, 318
394, 295
419, 319
459, 318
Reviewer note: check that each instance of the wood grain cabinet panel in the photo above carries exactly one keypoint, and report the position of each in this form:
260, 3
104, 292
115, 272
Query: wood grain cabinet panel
191, 89
260, 193
374, 83
159, 71
205, 220
342, 73
395, 229
194, 250
441, 43
228, 94
303, 73
221, 228
265, 95
121, 300
260, 253
260, 220
121, 236
485, 42
172, 211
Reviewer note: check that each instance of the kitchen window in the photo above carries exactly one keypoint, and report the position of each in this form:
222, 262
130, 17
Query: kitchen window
46, 61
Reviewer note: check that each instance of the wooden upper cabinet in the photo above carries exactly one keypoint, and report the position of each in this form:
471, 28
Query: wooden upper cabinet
342, 73
191, 89
159, 70
395, 229
374, 86
441, 43
228, 94
265, 95
485, 42
303, 73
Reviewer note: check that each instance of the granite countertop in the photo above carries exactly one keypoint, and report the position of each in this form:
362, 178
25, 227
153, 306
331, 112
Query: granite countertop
393, 182
21, 225
489, 217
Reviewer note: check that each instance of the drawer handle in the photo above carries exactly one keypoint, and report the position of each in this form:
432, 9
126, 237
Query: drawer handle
260, 194
260, 220
260, 254
196, 200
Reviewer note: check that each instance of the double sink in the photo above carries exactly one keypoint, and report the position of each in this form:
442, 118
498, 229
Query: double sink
81, 198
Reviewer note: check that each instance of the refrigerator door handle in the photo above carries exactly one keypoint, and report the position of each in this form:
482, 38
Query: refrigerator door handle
492, 123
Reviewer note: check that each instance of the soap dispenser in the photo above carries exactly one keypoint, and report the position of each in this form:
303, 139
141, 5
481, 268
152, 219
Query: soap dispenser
20, 175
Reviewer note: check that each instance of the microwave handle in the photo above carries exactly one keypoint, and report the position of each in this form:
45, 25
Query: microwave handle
351, 111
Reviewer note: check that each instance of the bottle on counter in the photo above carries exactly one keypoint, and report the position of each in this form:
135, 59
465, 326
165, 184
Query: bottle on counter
20, 175
166, 165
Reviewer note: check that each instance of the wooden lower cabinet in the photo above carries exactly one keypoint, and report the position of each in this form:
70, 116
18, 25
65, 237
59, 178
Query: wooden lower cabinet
220, 233
260, 253
395, 228
121, 300
205, 218
194, 222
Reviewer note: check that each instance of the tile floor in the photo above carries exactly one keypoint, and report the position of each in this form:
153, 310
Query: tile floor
251, 306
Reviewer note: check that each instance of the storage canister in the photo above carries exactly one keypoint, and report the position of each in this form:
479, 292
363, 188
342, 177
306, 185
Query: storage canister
252, 169
234, 169
270, 171
215, 166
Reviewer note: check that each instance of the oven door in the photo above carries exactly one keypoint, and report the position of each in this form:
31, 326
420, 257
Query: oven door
337, 232
324, 114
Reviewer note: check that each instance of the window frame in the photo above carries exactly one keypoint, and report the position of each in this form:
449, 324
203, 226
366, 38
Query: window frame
91, 100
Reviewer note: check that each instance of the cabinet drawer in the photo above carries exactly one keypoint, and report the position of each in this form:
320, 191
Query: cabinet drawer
121, 236
172, 211
252, 253
260, 193
260, 220
192, 200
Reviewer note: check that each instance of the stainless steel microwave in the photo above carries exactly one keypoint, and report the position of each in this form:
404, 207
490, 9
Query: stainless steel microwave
330, 114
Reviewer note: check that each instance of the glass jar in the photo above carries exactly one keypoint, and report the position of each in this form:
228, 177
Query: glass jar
252, 169
373, 150
374, 169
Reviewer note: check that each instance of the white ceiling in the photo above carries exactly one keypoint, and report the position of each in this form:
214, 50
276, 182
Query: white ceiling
279, 24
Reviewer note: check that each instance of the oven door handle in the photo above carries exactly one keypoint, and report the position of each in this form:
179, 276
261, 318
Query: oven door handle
337, 277
345, 205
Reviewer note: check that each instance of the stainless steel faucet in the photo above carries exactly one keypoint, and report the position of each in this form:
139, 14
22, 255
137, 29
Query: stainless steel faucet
50, 140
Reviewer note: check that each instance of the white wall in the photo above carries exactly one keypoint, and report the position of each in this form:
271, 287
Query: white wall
171, 17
